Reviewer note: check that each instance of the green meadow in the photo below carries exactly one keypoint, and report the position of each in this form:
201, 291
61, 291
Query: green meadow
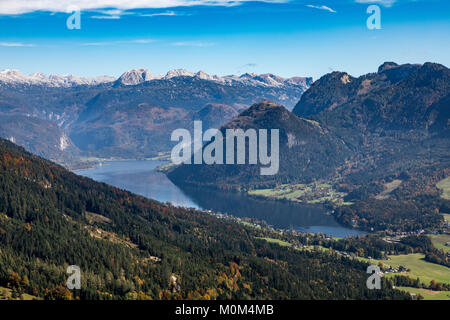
277, 241
444, 185
419, 268
427, 294
5, 294
287, 244
446, 216
312, 193
439, 241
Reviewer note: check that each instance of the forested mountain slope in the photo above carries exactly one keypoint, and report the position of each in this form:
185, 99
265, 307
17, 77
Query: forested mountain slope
131, 247
306, 152
357, 135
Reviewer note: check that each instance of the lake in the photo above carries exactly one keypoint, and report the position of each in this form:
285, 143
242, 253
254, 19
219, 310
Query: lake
140, 177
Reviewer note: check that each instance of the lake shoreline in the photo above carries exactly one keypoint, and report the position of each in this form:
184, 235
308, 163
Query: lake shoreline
141, 177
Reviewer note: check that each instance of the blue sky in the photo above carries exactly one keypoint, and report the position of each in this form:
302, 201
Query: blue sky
289, 38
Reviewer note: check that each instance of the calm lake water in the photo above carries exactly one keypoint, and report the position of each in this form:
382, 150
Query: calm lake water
141, 178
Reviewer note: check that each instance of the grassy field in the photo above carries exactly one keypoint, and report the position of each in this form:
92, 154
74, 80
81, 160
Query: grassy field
428, 294
419, 268
287, 244
388, 188
277, 241
285, 191
439, 241
249, 224
312, 193
5, 294
446, 216
444, 185
320, 248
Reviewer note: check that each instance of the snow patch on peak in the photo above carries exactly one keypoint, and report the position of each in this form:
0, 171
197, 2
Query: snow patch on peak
10, 72
345, 79
64, 142
178, 73
136, 76
268, 80
15, 77
12, 75
203, 75
38, 75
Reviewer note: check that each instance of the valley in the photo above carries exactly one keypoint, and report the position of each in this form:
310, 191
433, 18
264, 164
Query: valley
224, 159
143, 177
360, 182
344, 145
41, 201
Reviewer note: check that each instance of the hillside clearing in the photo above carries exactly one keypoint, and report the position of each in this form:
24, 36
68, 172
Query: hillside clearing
427, 294
5, 294
439, 241
277, 241
444, 185
388, 188
419, 268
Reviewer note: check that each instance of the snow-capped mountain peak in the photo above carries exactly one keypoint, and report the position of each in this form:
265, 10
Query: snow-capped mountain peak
136, 76
203, 75
15, 77
12, 75
38, 75
178, 73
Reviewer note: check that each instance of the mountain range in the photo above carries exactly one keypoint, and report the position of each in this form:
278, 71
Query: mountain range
397, 112
15, 77
307, 151
131, 116
381, 140
138, 76
356, 135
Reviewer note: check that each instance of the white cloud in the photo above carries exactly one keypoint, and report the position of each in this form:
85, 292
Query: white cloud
15, 44
167, 13
106, 17
110, 14
142, 41
146, 41
118, 13
112, 43
386, 3
26, 6
321, 8
193, 44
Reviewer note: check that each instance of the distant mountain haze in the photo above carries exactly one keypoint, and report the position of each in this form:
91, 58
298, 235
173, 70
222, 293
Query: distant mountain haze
15, 77
131, 116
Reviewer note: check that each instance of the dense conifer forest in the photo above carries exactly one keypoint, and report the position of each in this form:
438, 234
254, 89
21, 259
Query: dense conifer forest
130, 247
